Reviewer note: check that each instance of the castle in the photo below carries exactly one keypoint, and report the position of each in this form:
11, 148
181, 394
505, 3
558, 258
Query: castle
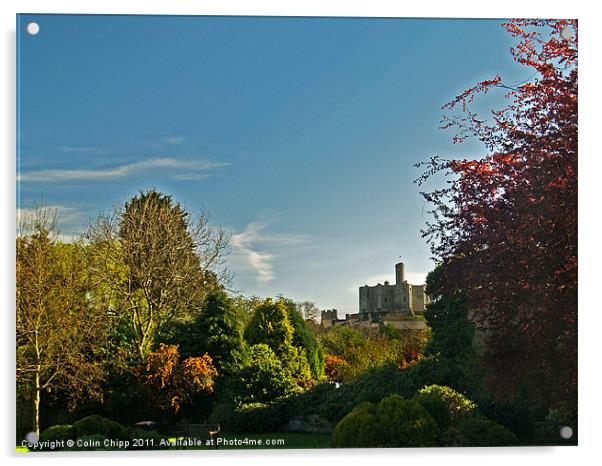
400, 297
400, 304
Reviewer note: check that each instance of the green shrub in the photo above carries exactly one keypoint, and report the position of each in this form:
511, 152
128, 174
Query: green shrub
258, 418
406, 423
358, 429
333, 403
57, 432
251, 418
323, 400
520, 416
482, 432
446, 405
91, 432
394, 422
95, 424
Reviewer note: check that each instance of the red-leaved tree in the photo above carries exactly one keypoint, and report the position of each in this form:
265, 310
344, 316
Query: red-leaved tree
504, 228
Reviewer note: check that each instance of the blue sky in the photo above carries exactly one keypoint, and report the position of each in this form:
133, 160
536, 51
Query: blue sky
299, 135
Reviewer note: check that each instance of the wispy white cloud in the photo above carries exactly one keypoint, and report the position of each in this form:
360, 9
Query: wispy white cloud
190, 176
164, 142
121, 171
83, 149
255, 246
175, 140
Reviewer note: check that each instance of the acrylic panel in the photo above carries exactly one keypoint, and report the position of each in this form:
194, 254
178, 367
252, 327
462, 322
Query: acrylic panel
295, 232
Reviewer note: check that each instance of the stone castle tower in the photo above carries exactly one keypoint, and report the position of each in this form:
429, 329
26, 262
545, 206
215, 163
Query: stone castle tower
400, 297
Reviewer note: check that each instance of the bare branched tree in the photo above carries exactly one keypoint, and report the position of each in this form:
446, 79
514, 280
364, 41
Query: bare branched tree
156, 263
309, 310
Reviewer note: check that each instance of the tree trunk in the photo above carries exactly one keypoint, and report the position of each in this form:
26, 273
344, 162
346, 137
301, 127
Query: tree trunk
36, 403
37, 388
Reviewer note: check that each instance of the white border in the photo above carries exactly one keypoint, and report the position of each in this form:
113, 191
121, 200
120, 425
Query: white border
589, 208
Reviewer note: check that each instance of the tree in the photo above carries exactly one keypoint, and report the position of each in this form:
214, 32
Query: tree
264, 378
304, 338
172, 382
58, 330
245, 306
505, 227
271, 324
156, 263
217, 330
309, 310
447, 316
333, 366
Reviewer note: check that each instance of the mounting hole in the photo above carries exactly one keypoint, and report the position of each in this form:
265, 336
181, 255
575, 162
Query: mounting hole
566, 33
32, 437
566, 432
33, 28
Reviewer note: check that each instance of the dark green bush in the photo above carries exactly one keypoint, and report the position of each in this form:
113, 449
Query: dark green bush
95, 424
483, 432
94, 429
359, 429
406, 423
58, 432
518, 415
89, 425
334, 403
258, 418
437, 408
251, 418
324, 400
394, 422
446, 405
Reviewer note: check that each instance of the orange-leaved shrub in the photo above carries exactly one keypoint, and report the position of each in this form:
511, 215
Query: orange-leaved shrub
172, 382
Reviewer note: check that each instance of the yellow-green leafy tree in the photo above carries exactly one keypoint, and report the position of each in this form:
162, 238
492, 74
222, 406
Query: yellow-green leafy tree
58, 330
